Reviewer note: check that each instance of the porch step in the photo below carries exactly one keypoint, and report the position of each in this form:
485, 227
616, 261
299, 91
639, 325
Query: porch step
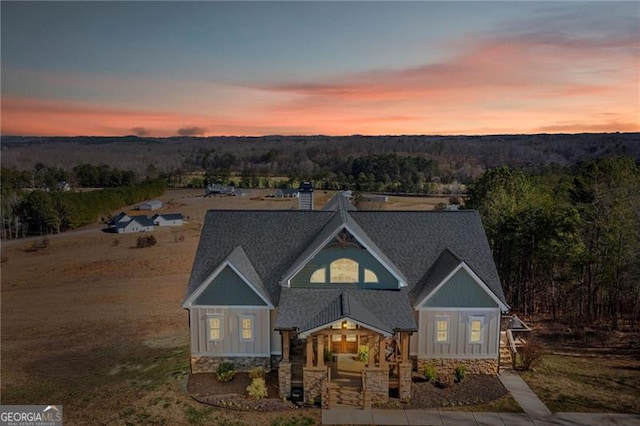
345, 396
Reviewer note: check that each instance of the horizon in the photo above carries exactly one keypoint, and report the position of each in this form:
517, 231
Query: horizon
260, 69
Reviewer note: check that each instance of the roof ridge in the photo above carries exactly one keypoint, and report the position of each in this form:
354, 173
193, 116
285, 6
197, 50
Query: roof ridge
344, 300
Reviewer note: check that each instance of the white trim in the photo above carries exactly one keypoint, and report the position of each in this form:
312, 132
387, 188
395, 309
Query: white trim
276, 353
456, 309
230, 307
238, 354
464, 356
189, 302
286, 281
474, 276
306, 334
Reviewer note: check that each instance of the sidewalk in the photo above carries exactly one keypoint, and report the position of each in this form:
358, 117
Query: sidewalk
535, 413
342, 416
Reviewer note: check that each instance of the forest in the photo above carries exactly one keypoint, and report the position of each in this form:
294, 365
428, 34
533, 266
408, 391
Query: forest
566, 245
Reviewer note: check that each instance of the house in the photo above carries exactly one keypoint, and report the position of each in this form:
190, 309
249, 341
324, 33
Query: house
399, 289
216, 189
124, 223
168, 219
286, 193
63, 186
150, 205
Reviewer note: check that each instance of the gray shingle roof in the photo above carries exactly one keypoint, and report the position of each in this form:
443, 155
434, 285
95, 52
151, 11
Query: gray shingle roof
411, 241
339, 201
441, 268
307, 308
169, 216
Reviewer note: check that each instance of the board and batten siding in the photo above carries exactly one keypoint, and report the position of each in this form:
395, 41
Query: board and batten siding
458, 345
230, 344
276, 337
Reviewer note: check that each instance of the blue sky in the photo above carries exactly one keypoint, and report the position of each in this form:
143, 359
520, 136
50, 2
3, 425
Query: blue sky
319, 67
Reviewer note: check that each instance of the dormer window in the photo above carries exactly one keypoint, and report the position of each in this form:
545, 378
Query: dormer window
344, 271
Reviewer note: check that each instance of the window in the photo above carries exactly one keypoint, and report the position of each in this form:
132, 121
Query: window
214, 324
344, 271
475, 329
319, 276
442, 330
370, 276
246, 328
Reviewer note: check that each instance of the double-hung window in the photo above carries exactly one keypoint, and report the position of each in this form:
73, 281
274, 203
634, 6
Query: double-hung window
246, 328
214, 327
476, 324
442, 330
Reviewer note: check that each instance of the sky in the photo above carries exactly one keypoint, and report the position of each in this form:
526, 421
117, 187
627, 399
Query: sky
306, 68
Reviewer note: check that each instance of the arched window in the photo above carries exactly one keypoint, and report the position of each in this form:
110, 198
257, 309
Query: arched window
370, 276
344, 271
319, 276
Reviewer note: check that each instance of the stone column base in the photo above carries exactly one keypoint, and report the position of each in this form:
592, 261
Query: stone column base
404, 377
284, 379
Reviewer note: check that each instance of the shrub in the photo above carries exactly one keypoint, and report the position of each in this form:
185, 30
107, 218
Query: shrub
257, 373
363, 353
531, 353
257, 389
115, 243
444, 380
461, 372
429, 372
226, 372
327, 355
143, 242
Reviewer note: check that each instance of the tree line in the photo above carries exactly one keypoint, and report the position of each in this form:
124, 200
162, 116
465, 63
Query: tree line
39, 212
566, 244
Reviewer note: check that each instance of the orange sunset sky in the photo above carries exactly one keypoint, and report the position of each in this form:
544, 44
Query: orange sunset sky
259, 68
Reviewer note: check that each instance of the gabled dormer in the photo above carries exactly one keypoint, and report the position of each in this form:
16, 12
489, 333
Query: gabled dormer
233, 283
343, 255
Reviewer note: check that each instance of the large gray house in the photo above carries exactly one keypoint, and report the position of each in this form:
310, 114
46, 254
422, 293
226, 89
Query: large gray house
340, 297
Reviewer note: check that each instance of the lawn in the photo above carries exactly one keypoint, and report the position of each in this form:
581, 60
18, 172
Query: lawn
586, 383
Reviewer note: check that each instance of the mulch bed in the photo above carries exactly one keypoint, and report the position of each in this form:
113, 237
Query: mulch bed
474, 389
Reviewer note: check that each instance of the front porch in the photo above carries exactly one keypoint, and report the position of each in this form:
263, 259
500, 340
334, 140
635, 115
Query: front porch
342, 365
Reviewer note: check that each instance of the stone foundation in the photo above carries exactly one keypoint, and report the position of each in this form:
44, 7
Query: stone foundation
376, 384
448, 365
284, 379
314, 381
209, 364
404, 380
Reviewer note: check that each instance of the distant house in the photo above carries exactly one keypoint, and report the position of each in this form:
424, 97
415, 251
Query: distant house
374, 198
215, 189
286, 193
123, 223
170, 219
63, 186
151, 205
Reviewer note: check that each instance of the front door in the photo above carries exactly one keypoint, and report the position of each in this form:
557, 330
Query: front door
344, 343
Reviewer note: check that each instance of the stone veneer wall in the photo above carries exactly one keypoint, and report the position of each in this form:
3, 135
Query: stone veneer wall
284, 379
314, 381
209, 364
376, 384
404, 380
448, 365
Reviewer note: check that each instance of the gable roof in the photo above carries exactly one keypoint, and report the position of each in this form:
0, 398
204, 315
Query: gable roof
339, 202
411, 241
308, 309
168, 216
238, 261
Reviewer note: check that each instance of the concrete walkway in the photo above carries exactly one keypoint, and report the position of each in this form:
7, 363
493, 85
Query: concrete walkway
348, 416
535, 413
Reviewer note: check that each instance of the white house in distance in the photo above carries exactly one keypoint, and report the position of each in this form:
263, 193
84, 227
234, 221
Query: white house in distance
151, 205
168, 219
123, 223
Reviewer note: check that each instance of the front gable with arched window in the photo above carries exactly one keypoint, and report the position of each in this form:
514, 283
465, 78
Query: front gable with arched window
351, 266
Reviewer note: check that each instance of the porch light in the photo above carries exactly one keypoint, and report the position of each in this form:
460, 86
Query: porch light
344, 325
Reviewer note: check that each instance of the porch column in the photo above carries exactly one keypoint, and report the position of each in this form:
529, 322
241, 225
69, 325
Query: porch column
382, 348
371, 357
404, 337
320, 355
309, 351
285, 346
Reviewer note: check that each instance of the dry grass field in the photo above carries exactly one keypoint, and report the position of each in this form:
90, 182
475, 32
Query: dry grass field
95, 324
